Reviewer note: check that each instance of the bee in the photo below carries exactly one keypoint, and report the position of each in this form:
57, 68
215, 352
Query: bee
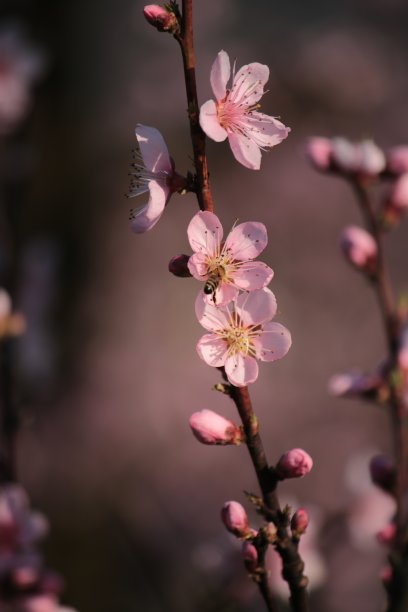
211, 285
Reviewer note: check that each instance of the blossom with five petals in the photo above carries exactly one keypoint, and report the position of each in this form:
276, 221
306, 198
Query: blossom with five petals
153, 172
241, 333
234, 114
229, 263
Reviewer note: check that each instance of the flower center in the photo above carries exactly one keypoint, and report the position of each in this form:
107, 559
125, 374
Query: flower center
238, 340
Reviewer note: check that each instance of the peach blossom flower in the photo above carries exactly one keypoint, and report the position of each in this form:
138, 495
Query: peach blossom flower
234, 114
241, 333
227, 266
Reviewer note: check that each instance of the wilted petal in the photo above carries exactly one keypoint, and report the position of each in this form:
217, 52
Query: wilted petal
213, 350
245, 150
210, 123
256, 306
153, 149
211, 317
247, 240
145, 217
205, 232
241, 370
273, 342
220, 74
252, 275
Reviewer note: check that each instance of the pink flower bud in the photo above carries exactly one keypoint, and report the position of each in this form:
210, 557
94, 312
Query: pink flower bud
235, 518
250, 555
346, 155
359, 248
318, 151
386, 574
296, 463
178, 266
299, 522
387, 534
160, 18
355, 384
211, 428
372, 159
382, 470
396, 203
397, 160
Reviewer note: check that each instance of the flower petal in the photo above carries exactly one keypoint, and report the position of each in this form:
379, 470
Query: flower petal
252, 275
273, 342
247, 240
205, 233
145, 217
209, 122
241, 370
220, 74
210, 316
245, 150
213, 350
198, 267
266, 131
248, 84
154, 151
256, 307
224, 294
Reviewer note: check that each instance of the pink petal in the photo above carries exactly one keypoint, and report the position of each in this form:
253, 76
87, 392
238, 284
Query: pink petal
153, 149
241, 370
198, 267
248, 85
245, 151
220, 74
211, 317
205, 233
267, 131
213, 350
247, 240
273, 342
252, 275
224, 294
256, 307
209, 122
145, 217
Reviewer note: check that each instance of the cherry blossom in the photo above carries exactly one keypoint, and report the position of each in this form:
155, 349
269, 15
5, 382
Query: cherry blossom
228, 266
234, 114
153, 172
241, 333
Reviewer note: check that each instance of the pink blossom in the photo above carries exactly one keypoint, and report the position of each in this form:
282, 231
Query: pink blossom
250, 555
319, 150
299, 521
363, 158
359, 248
387, 534
397, 160
241, 333
356, 384
227, 266
153, 172
160, 18
234, 114
211, 428
396, 203
235, 518
296, 463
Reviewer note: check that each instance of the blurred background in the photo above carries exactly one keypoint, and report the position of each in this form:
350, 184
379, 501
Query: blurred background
107, 371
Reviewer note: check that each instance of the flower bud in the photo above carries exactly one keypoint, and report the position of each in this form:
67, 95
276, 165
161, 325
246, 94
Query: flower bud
359, 248
299, 522
160, 18
296, 463
250, 555
355, 384
235, 519
178, 266
346, 156
396, 203
387, 534
318, 151
397, 160
372, 159
386, 574
383, 474
211, 428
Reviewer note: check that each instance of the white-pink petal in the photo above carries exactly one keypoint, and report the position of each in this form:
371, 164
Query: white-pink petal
210, 316
213, 350
146, 216
154, 151
266, 130
220, 74
245, 150
241, 370
248, 84
205, 233
256, 306
210, 123
252, 275
198, 266
247, 240
273, 342
224, 294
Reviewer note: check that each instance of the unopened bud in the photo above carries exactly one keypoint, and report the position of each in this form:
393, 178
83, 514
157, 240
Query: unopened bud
397, 160
387, 534
211, 428
372, 158
359, 248
250, 555
345, 155
318, 151
296, 463
396, 204
299, 522
355, 384
160, 18
383, 474
178, 266
386, 574
235, 519
363, 158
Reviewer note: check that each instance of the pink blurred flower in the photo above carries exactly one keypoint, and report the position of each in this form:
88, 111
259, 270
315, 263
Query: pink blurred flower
397, 160
250, 555
299, 522
396, 203
40, 603
241, 332
363, 158
356, 384
295, 463
227, 266
234, 114
153, 172
235, 519
211, 428
387, 534
359, 248
318, 151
